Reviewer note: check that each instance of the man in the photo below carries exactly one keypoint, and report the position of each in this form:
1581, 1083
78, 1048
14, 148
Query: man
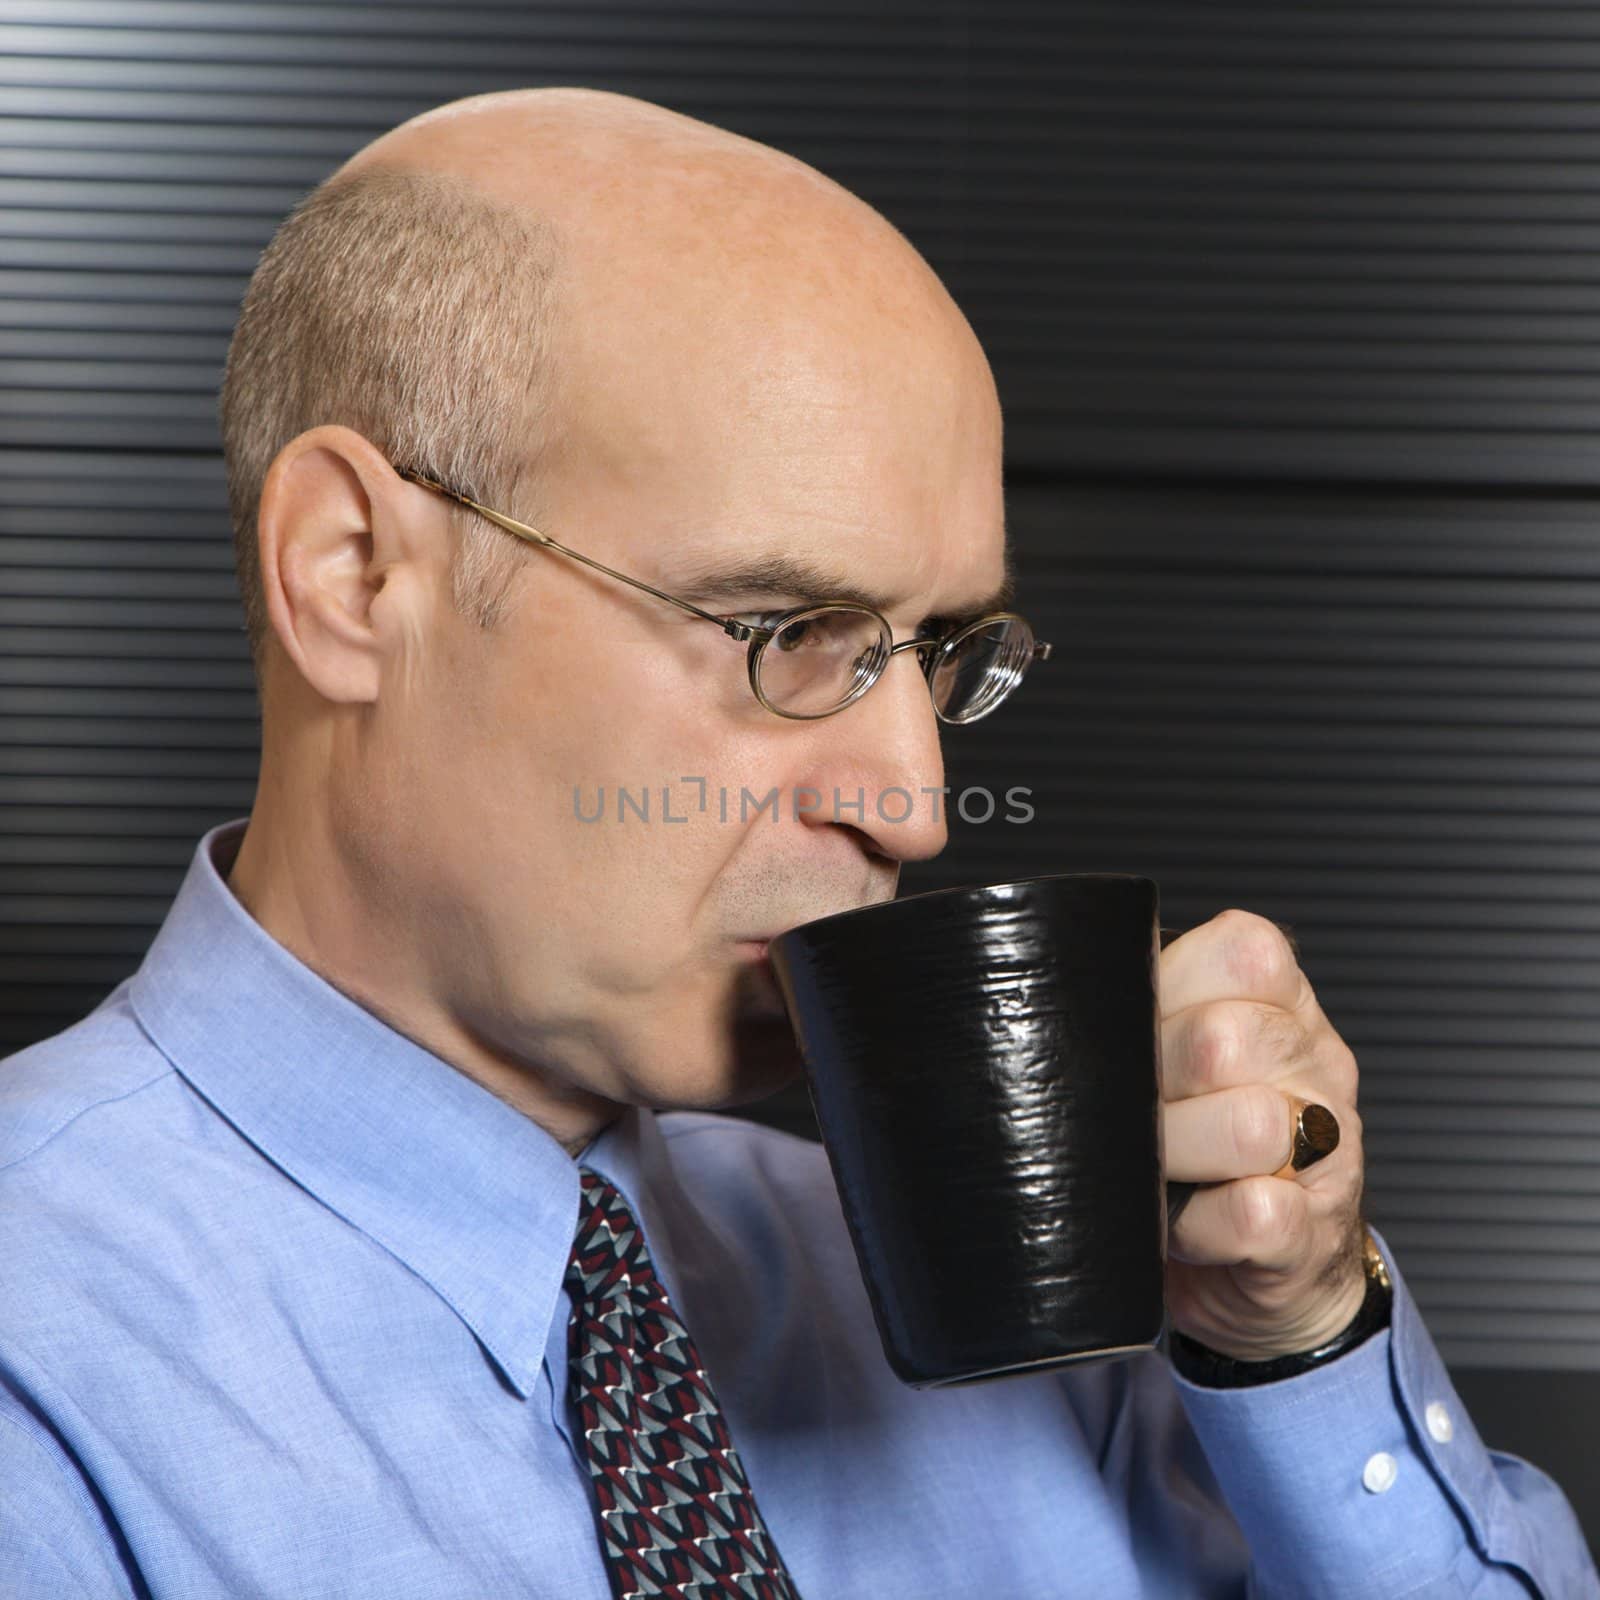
380, 1236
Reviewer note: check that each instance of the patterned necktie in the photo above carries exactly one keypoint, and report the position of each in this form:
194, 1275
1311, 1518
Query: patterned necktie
677, 1516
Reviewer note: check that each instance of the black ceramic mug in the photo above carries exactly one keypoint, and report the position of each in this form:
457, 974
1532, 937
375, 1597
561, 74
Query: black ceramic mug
985, 1067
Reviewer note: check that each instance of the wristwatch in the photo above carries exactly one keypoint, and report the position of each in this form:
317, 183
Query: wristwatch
1208, 1367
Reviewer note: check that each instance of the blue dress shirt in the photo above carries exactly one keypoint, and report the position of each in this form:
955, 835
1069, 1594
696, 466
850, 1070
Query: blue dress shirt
283, 1317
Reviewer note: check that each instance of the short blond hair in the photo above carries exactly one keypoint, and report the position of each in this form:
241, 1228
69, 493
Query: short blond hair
416, 311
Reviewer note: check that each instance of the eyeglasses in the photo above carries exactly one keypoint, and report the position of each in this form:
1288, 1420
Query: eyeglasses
815, 660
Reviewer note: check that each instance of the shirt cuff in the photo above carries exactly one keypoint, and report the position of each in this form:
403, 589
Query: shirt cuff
1363, 1476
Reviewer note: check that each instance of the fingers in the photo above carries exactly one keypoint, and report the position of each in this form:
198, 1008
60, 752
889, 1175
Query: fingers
1244, 1207
1254, 1078
1236, 955
1265, 1221
1235, 1133
1225, 1043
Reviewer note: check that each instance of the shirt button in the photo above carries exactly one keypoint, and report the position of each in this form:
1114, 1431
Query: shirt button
1380, 1472
1439, 1423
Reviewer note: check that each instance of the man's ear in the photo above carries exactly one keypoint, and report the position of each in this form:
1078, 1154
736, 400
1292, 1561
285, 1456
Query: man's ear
332, 539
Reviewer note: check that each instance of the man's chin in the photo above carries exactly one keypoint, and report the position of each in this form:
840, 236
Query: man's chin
761, 1059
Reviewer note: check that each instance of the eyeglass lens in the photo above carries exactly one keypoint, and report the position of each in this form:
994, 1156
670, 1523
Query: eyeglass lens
980, 667
820, 661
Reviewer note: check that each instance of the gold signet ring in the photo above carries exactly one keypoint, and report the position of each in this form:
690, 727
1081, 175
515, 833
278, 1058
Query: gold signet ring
1316, 1134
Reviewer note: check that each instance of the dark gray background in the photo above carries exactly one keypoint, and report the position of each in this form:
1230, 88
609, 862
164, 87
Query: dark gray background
1294, 313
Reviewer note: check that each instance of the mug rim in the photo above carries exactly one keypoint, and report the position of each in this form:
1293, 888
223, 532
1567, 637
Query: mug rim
956, 890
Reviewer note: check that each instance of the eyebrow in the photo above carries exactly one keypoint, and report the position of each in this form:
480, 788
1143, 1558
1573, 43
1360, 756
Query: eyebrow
808, 584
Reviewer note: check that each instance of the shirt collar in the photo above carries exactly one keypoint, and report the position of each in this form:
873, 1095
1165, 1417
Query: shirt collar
471, 1195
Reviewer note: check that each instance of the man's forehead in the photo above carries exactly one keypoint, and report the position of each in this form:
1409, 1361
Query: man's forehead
982, 583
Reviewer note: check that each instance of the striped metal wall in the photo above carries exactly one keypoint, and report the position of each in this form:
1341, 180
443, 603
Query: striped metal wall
1296, 316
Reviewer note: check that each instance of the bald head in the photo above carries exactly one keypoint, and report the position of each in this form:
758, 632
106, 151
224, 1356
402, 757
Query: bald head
566, 280
645, 194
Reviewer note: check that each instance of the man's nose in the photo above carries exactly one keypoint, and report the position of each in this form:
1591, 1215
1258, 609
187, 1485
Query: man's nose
881, 769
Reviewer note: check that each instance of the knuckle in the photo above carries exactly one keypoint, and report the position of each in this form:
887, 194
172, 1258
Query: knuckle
1258, 955
1213, 1045
1258, 1218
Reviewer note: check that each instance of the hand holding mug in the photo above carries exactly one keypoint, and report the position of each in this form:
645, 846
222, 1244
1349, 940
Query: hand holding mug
1263, 1259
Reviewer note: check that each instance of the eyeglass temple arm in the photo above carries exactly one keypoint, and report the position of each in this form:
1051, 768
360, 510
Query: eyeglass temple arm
735, 630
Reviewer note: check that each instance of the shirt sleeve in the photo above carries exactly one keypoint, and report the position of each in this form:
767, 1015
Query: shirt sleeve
54, 1539
1366, 1477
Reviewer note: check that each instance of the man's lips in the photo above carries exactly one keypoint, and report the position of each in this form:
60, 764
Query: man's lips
756, 943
